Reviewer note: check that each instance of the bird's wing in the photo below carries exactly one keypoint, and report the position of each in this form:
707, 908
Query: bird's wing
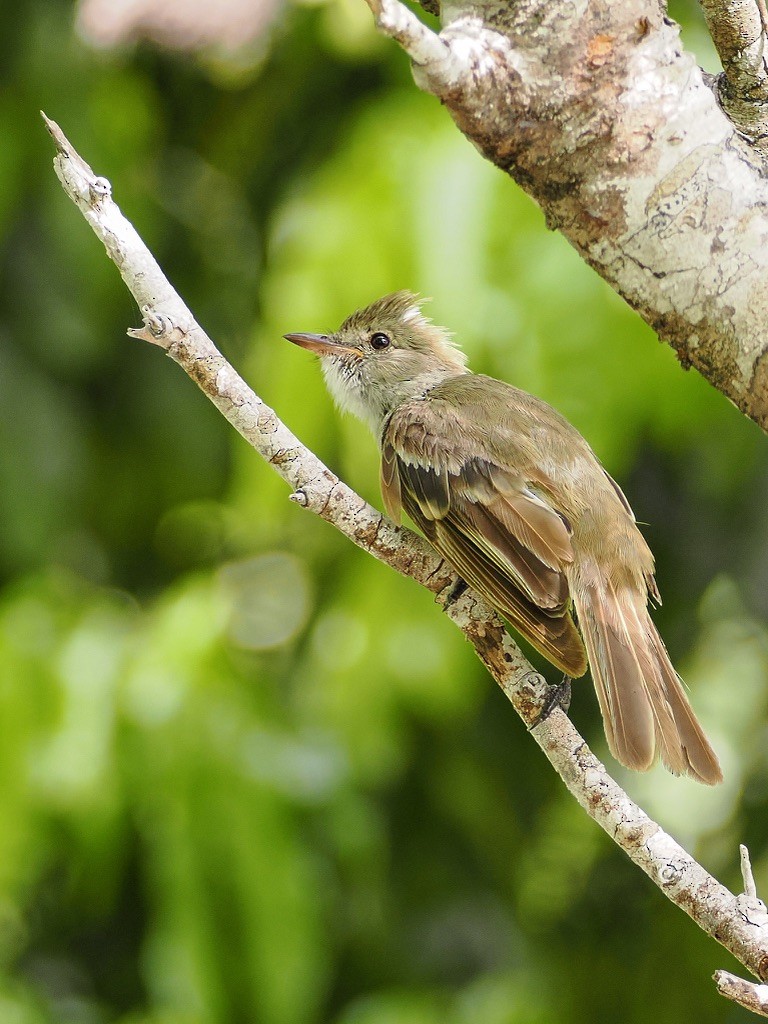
492, 525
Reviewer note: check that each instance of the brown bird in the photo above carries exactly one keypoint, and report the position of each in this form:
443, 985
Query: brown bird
513, 497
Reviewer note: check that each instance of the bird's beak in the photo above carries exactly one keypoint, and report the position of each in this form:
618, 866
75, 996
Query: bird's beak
322, 345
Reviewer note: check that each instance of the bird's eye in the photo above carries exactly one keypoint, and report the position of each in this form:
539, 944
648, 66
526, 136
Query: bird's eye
379, 341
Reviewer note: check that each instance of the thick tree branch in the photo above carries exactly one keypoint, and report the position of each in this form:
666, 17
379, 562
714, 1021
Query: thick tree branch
169, 324
598, 112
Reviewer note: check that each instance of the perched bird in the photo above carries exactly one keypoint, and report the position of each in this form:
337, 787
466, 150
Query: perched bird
513, 497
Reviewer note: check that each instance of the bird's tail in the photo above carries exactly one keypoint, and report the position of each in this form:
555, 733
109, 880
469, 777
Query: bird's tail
645, 709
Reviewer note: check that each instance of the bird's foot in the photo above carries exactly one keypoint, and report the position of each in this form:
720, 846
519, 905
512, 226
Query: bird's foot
558, 697
456, 591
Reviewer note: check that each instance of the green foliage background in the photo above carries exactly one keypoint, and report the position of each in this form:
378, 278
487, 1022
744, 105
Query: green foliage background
246, 773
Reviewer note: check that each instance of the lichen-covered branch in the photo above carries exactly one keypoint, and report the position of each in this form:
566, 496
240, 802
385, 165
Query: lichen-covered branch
599, 113
170, 325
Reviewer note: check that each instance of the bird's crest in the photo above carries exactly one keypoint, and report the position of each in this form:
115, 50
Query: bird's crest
401, 314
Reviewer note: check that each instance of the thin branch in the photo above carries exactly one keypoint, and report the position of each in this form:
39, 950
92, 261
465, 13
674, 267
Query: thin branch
761, 6
738, 30
750, 889
425, 48
746, 993
169, 324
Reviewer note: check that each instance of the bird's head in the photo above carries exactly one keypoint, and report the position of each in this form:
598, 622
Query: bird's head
384, 355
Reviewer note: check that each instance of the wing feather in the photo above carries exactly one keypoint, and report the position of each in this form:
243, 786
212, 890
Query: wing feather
390, 483
492, 526
510, 552
556, 637
429, 485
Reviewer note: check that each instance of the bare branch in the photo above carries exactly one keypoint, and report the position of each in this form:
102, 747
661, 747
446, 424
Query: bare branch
426, 49
169, 324
738, 30
750, 889
746, 993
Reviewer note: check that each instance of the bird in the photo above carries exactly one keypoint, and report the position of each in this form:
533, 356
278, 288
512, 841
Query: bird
512, 496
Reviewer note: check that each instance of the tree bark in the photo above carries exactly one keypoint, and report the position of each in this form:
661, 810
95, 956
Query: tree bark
597, 111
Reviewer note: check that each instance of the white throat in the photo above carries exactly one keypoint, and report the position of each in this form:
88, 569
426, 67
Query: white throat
366, 399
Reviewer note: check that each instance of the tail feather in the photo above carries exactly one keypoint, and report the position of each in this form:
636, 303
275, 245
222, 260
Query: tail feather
642, 700
701, 760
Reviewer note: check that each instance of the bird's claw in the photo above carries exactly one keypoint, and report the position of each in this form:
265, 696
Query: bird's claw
558, 697
456, 591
